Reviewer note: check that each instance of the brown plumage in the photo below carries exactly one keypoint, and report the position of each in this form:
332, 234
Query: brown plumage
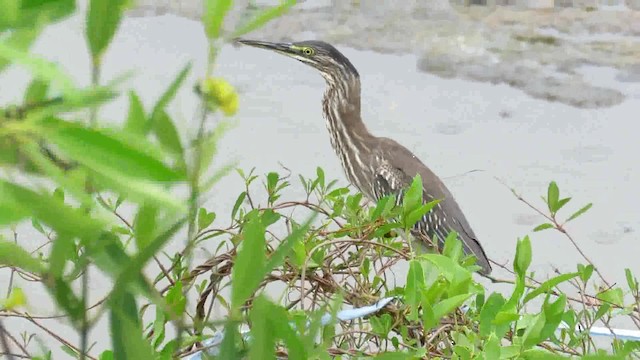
377, 166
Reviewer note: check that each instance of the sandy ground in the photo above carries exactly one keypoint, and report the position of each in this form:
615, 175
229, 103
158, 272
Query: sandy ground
453, 124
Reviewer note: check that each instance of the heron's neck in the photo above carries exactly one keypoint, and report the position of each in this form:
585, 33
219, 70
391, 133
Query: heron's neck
349, 136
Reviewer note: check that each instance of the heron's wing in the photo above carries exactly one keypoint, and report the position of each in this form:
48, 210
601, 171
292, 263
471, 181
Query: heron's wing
393, 177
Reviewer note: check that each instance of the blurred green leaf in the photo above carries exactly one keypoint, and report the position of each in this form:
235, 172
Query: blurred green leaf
35, 13
583, 210
102, 152
13, 255
168, 95
263, 17
249, 266
126, 331
264, 339
228, 349
145, 225
36, 91
523, 256
136, 122
214, 14
44, 207
9, 14
103, 18
16, 52
61, 251
11, 212
65, 298
166, 133
548, 285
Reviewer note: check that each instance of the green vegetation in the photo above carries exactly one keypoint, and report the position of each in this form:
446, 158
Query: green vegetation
277, 266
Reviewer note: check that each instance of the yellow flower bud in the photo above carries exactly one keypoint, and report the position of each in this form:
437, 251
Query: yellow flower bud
221, 93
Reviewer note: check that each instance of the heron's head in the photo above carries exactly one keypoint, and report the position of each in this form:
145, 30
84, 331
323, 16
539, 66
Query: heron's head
327, 59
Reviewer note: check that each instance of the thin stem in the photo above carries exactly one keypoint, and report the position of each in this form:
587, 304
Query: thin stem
95, 81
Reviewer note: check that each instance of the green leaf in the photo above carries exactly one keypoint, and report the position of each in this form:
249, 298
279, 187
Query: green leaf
533, 333
103, 152
585, 272
553, 196
488, 313
176, 300
238, 203
166, 133
145, 225
264, 340
414, 286
169, 94
631, 280
277, 257
553, 313
14, 256
613, 296
549, 284
446, 306
602, 309
492, 348
583, 210
452, 246
264, 17
544, 226
103, 18
414, 216
248, 269
523, 256
412, 197
214, 13
205, 219
136, 122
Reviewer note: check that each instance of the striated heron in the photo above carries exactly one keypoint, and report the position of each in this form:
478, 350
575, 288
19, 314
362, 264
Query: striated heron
377, 166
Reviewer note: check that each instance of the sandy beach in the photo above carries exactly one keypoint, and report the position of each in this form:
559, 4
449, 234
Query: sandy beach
472, 114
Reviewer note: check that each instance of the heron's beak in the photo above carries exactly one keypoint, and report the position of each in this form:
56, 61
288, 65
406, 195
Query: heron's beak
279, 47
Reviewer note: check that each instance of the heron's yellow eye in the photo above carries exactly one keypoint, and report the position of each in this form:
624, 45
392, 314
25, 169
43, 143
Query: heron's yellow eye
308, 51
